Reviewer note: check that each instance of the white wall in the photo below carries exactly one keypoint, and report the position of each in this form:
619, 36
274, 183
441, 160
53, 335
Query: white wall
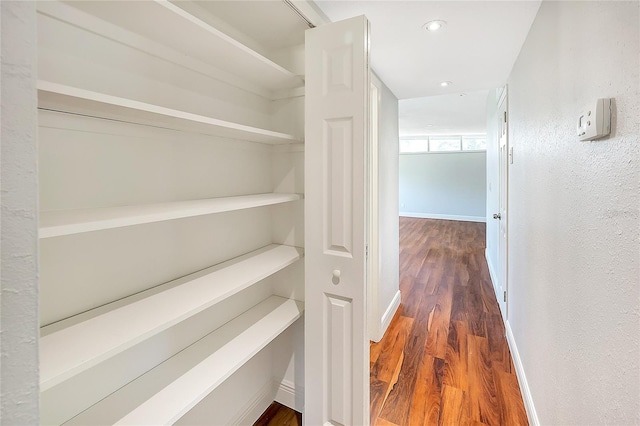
493, 188
389, 291
443, 185
574, 307
18, 226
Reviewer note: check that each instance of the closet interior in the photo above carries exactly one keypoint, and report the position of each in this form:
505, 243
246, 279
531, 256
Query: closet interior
171, 175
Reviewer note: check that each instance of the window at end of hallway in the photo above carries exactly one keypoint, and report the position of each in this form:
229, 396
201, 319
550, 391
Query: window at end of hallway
426, 144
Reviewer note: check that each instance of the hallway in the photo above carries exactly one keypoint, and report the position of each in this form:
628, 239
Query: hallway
444, 359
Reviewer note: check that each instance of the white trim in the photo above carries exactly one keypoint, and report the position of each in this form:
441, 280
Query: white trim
255, 406
492, 272
290, 396
494, 283
522, 378
373, 235
388, 315
444, 216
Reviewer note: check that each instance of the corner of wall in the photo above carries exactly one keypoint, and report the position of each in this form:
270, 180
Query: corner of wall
388, 316
260, 401
289, 395
522, 378
388, 297
19, 399
492, 272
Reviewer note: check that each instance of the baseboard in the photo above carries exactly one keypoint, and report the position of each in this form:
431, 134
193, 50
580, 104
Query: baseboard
289, 395
492, 272
444, 216
522, 378
388, 315
256, 405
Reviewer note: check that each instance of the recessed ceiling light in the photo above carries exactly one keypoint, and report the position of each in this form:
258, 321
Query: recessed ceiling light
446, 83
434, 26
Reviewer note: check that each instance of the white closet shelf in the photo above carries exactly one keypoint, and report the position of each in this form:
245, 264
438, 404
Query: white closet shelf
59, 97
90, 338
166, 23
67, 222
167, 392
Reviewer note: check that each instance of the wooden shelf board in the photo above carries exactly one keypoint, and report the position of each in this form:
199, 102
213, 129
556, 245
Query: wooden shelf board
167, 392
59, 97
68, 351
67, 222
193, 37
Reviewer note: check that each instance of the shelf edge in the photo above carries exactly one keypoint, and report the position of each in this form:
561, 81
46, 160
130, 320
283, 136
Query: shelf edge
87, 361
62, 93
124, 220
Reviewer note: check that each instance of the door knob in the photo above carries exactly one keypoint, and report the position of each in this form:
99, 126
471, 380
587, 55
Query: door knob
497, 216
336, 277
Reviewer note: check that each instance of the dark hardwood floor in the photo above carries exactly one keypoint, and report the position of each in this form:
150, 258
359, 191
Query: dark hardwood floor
444, 359
279, 415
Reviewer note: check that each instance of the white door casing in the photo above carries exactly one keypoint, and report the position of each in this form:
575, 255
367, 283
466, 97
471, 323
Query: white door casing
336, 134
503, 179
373, 240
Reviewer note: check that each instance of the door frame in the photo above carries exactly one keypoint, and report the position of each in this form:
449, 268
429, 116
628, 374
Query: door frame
373, 216
503, 210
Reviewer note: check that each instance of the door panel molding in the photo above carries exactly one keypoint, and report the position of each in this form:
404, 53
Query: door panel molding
336, 134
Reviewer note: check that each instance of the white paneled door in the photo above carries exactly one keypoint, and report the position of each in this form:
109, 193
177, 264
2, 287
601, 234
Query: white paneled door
336, 338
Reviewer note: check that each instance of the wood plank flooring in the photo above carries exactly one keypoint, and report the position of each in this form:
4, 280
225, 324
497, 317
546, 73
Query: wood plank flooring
279, 415
444, 359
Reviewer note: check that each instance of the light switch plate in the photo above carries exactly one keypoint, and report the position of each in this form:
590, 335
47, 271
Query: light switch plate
594, 121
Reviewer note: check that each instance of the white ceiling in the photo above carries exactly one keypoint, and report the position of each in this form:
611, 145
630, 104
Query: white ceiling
444, 115
476, 50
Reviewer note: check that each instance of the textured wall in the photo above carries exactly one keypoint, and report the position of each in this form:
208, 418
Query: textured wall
574, 288
18, 223
388, 198
446, 184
